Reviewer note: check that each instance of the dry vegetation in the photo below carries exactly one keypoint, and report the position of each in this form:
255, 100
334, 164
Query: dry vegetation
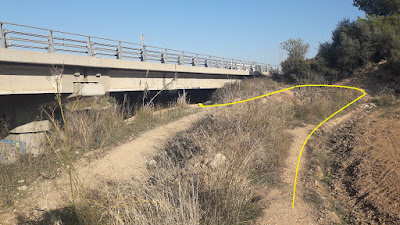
87, 125
208, 174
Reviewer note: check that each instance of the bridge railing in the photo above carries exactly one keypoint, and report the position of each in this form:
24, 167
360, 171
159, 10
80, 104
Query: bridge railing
40, 39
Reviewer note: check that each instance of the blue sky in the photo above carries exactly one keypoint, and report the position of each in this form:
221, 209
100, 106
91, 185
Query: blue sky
247, 30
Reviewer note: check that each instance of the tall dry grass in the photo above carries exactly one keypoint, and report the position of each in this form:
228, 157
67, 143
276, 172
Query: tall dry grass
252, 140
90, 123
186, 183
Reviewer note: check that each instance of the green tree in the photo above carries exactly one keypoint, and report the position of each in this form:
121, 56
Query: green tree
378, 7
350, 48
294, 68
296, 48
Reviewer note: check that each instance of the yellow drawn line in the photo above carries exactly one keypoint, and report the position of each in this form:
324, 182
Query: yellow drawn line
305, 142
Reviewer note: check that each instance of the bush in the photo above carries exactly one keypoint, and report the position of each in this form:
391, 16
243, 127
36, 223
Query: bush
356, 43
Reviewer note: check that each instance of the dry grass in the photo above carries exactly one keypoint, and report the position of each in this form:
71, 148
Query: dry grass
92, 124
4, 128
314, 104
183, 179
186, 186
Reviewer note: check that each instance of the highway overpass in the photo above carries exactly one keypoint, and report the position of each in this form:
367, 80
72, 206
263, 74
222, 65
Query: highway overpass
36, 63
90, 65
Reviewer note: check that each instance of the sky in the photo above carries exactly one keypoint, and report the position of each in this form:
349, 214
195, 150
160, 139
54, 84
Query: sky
246, 30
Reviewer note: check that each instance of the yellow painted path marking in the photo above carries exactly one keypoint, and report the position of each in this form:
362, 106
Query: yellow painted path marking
305, 142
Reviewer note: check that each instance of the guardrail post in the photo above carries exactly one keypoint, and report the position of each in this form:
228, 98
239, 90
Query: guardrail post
3, 42
119, 51
196, 60
90, 47
193, 61
164, 57
181, 59
143, 54
51, 42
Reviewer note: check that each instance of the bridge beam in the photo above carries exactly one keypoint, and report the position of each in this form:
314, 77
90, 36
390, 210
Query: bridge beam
26, 72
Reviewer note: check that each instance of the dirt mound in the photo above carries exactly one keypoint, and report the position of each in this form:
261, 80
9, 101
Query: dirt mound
371, 176
365, 168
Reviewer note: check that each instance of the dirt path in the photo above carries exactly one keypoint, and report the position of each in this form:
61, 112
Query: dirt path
122, 163
278, 201
129, 160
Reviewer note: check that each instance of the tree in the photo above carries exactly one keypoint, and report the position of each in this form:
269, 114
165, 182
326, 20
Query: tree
378, 7
295, 68
351, 46
296, 48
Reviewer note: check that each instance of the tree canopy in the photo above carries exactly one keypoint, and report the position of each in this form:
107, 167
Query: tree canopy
296, 48
379, 7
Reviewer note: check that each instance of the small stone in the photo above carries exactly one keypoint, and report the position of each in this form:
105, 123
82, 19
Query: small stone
21, 181
22, 188
152, 164
219, 159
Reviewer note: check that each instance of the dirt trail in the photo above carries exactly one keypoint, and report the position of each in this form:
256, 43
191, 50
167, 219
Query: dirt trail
129, 160
122, 163
278, 201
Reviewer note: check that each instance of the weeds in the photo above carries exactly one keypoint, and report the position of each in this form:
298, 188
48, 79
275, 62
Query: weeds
386, 100
187, 183
80, 125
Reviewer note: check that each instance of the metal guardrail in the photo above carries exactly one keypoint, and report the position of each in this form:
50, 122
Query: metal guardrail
27, 37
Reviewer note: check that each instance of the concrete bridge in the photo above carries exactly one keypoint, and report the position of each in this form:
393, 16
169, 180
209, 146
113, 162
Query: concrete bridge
36, 63
96, 66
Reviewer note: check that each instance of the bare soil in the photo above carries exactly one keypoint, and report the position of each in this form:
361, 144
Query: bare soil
367, 162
